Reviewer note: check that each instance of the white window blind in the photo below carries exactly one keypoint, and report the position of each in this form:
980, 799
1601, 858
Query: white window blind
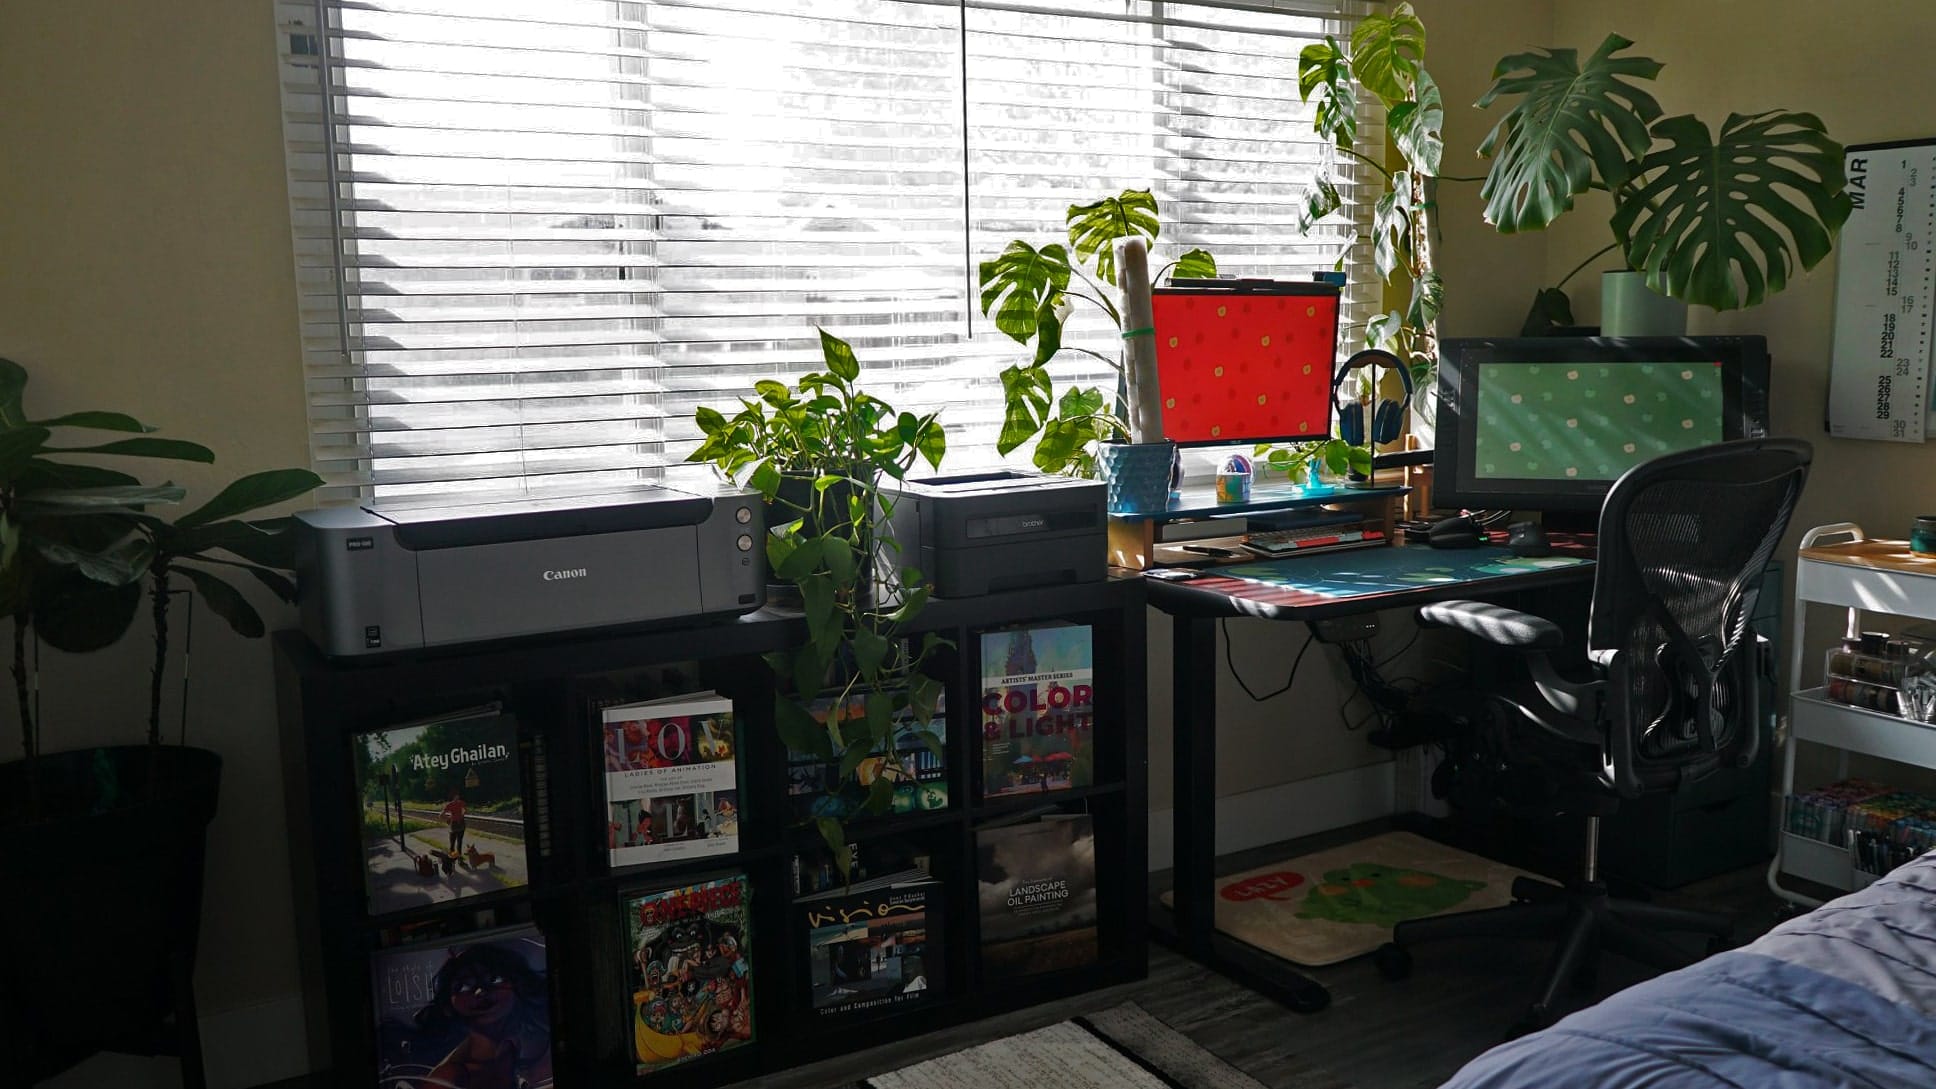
533, 235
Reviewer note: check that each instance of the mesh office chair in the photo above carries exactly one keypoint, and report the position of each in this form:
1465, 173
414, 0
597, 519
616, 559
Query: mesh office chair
1683, 542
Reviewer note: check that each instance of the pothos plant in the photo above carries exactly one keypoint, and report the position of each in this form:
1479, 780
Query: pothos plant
1716, 218
82, 544
817, 452
1031, 294
1385, 58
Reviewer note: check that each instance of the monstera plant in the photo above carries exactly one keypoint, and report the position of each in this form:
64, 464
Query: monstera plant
1385, 58
1720, 218
1031, 293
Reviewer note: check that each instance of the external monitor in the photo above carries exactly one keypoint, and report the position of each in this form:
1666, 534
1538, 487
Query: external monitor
1550, 423
1245, 361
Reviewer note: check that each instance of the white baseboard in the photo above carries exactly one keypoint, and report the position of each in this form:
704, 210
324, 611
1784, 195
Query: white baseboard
1286, 811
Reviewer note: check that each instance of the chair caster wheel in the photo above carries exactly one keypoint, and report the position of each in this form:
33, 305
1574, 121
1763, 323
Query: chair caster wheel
1393, 962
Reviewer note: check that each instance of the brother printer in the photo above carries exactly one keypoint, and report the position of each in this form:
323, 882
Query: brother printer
373, 579
980, 533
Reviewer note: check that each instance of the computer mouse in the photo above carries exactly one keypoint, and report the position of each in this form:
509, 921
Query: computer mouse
1457, 531
1528, 539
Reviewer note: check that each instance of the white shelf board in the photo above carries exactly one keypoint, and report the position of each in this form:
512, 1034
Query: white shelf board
1868, 588
1813, 860
1825, 722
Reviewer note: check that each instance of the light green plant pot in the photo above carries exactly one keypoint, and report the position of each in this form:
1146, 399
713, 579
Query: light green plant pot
1629, 308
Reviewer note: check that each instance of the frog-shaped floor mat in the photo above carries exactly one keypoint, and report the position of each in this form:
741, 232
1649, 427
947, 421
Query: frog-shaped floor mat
1333, 905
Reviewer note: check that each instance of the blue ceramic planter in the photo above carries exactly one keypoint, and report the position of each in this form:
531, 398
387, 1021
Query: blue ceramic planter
1137, 475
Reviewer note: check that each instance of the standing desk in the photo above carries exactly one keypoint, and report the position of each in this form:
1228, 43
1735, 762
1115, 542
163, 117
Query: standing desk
1297, 588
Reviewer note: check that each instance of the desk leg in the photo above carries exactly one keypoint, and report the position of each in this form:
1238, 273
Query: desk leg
1192, 919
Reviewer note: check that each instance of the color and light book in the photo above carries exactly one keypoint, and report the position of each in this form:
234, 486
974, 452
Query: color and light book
442, 804
469, 1011
1038, 709
918, 773
1037, 896
690, 973
874, 945
671, 781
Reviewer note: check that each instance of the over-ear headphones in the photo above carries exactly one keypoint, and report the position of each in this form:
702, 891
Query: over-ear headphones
1387, 417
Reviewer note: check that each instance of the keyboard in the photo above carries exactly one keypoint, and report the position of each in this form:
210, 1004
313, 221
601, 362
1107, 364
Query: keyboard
1276, 543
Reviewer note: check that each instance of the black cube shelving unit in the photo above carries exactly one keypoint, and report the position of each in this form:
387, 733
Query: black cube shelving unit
574, 895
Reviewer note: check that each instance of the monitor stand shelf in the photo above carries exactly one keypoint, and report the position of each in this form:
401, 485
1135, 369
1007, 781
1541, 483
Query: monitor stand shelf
1133, 538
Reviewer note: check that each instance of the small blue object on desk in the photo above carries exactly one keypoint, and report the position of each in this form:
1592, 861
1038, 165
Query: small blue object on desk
1233, 480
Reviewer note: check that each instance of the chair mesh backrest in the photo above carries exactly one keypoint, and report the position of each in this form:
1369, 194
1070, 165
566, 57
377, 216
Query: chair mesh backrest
1684, 541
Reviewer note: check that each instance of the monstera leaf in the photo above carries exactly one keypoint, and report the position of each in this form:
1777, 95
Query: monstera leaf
1196, 264
1016, 285
1094, 228
1418, 124
1702, 223
1570, 122
1320, 199
1387, 52
1324, 69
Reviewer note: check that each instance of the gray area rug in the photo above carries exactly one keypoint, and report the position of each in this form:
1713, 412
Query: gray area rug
1120, 1048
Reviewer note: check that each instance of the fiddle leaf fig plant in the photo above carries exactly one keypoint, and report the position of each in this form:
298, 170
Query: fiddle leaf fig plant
80, 541
1715, 218
817, 452
1032, 293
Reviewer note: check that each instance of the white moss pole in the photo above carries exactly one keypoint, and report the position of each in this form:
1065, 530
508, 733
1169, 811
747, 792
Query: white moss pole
1139, 341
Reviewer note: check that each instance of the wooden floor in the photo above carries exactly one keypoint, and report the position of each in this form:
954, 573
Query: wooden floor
1376, 1035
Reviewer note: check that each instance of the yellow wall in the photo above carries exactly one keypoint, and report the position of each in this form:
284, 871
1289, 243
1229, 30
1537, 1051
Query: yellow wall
145, 267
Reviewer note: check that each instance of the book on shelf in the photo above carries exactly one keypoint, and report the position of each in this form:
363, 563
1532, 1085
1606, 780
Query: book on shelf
918, 770
465, 1011
1037, 895
671, 780
690, 973
442, 807
1038, 709
875, 944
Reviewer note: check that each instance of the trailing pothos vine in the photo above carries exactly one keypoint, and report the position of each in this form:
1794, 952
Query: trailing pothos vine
817, 453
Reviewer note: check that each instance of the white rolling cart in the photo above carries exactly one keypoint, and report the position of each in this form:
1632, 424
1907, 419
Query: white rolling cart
1838, 565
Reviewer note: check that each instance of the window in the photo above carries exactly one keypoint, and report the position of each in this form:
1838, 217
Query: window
533, 237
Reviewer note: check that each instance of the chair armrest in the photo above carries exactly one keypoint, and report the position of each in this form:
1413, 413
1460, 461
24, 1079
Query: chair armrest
1495, 624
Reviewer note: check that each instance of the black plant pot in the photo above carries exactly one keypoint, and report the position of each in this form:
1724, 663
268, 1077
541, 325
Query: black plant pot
795, 494
100, 905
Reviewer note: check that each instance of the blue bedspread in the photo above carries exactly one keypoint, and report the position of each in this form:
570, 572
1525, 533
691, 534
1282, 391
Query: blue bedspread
1843, 996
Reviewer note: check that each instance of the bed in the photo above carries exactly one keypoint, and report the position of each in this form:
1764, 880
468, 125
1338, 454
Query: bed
1844, 995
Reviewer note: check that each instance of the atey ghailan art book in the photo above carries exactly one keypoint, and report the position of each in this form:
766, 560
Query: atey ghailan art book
442, 806
691, 971
473, 1011
671, 780
1038, 706
1037, 893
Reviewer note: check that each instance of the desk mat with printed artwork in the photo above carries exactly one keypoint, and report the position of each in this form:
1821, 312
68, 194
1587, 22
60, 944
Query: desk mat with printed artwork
1340, 903
1363, 571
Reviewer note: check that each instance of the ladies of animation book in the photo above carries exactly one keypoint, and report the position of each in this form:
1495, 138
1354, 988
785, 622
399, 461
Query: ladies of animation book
1038, 705
471, 1011
690, 974
442, 804
671, 781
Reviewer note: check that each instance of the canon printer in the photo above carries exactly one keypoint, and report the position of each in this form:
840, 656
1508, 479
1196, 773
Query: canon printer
373, 579
980, 533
